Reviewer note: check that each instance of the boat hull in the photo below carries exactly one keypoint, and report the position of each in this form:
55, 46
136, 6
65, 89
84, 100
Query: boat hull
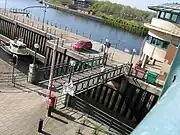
5, 48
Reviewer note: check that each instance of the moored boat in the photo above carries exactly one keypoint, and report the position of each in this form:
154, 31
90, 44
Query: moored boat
16, 47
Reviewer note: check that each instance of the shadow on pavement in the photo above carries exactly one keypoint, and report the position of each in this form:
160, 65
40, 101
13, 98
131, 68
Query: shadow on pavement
45, 133
53, 117
64, 115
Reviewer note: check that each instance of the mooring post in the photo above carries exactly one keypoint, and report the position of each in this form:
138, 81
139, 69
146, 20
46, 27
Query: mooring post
40, 125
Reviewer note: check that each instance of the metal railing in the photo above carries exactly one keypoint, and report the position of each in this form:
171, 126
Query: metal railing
97, 79
65, 68
100, 116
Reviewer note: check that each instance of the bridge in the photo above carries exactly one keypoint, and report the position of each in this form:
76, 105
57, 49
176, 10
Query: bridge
89, 75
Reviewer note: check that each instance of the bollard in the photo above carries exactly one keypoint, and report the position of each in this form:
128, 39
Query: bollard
40, 126
50, 110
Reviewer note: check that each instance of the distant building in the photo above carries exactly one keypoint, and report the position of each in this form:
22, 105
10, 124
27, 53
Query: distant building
163, 36
82, 3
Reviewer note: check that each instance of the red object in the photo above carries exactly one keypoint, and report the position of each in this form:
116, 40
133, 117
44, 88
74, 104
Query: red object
52, 101
83, 44
137, 66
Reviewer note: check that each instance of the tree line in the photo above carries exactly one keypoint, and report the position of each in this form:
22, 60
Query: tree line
121, 11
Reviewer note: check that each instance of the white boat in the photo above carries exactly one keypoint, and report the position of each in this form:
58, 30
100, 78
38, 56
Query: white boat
15, 47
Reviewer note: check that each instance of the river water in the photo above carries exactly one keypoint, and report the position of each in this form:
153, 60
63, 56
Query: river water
118, 38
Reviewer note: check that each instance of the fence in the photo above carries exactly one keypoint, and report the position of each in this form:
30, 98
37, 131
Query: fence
65, 68
100, 116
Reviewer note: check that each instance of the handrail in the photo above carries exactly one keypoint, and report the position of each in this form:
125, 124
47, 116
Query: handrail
130, 128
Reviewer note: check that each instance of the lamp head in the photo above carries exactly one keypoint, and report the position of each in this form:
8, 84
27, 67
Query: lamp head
72, 63
36, 46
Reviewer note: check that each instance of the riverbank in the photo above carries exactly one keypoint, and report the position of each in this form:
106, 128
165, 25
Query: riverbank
71, 11
126, 25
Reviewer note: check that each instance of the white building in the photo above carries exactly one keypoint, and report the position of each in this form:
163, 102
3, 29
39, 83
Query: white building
163, 36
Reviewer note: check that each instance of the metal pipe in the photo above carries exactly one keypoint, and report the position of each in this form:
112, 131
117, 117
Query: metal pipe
44, 17
5, 4
34, 60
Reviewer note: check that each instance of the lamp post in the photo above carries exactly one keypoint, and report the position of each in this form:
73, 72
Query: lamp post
72, 64
45, 9
5, 5
107, 45
52, 73
15, 62
133, 53
36, 46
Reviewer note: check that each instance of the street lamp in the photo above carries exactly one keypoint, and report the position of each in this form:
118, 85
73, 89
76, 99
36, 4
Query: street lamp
36, 46
72, 64
5, 4
133, 53
15, 62
107, 45
45, 9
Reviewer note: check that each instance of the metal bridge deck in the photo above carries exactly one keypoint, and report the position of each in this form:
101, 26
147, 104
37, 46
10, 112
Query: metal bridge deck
89, 78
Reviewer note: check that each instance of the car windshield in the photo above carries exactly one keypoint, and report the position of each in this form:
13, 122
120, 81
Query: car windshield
81, 42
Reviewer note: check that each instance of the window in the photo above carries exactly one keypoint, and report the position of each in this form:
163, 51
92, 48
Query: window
178, 19
174, 17
81, 42
162, 14
153, 41
15, 45
157, 42
165, 45
167, 16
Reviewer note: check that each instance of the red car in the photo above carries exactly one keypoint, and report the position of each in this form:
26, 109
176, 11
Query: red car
83, 44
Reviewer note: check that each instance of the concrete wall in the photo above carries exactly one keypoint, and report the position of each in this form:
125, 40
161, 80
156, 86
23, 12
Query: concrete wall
163, 36
170, 53
169, 26
154, 52
165, 68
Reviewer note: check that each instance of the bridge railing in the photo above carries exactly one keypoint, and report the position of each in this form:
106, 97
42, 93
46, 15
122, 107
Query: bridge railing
16, 10
65, 68
97, 79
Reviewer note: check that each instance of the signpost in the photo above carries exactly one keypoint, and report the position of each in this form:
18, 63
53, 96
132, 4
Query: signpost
68, 89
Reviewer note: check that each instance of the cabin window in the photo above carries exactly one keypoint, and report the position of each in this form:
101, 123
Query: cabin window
15, 45
174, 17
162, 14
157, 42
165, 45
178, 19
167, 16
22, 47
153, 41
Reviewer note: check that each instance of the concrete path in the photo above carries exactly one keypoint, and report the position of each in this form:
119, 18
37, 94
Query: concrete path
68, 121
20, 112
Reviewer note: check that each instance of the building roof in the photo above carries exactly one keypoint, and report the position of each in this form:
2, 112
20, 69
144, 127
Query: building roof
168, 7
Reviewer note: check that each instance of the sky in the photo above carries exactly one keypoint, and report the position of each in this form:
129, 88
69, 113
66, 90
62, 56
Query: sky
142, 4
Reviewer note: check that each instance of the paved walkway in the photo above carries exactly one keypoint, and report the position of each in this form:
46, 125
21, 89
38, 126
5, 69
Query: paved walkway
20, 107
68, 121
20, 111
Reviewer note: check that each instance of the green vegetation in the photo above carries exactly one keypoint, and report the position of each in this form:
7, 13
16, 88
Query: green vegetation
123, 12
124, 17
131, 26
